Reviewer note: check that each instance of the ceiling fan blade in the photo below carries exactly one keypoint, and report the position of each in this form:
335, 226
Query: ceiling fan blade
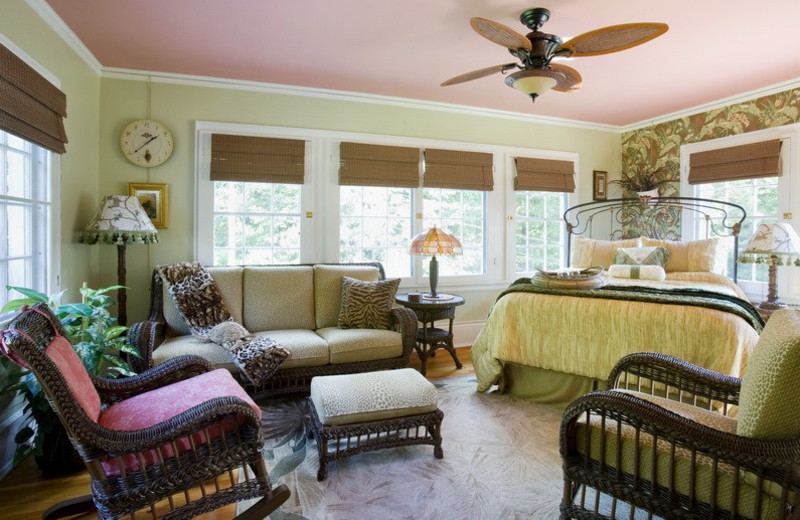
612, 39
500, 34
480, 73
571, 81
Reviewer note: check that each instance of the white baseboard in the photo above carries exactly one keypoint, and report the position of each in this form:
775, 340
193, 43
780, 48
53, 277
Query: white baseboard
465, 332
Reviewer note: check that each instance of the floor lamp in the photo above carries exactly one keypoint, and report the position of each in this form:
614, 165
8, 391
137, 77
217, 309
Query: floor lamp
773, 244
435, 242
120, 220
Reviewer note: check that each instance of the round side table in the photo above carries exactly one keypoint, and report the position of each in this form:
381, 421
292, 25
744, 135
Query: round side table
430, 338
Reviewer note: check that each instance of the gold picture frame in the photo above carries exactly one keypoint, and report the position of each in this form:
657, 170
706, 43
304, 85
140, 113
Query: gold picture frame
154, 198
599, 185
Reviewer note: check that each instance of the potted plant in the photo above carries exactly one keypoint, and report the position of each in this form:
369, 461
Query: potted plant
642, 182
99, 342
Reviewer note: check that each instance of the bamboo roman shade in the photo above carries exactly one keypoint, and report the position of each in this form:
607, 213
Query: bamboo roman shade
747, 161
30, 106
458, 170
544, 175
243, 158
378, 165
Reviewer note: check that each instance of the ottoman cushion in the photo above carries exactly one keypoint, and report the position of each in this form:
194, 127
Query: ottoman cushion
372, 396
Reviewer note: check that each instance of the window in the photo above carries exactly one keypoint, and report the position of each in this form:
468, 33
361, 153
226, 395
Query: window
462, 213
766, 197
25, 216
256, 223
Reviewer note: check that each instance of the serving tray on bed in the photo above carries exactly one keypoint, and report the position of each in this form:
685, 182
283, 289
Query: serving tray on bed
589, 278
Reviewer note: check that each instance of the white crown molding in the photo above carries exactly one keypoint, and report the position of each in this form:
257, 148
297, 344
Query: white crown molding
55, 22
340, 95
719, 103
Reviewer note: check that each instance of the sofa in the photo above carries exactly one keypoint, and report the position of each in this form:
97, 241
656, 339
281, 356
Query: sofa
296, 305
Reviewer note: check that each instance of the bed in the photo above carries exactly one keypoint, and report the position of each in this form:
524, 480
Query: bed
556, 342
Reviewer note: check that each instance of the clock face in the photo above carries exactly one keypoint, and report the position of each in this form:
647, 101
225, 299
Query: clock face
146, 143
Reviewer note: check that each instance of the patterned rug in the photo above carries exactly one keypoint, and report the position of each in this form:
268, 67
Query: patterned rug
500, 461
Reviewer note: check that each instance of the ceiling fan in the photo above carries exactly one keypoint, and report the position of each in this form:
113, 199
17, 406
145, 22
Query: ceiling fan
536, 50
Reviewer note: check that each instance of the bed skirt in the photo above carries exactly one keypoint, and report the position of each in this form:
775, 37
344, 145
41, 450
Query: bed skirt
545, 386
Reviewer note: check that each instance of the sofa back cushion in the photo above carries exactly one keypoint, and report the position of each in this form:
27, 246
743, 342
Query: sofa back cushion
229, 283
278, 298
328, 289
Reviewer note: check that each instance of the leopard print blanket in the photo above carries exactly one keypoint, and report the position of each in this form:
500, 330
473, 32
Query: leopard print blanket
197, 297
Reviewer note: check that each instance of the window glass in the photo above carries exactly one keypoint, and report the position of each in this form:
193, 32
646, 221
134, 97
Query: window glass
462, 213
256, 223
25, 216
539, 234
375, 225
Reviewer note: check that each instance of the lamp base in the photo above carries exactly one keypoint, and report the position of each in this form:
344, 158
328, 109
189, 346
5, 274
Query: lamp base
437, 297
771, 306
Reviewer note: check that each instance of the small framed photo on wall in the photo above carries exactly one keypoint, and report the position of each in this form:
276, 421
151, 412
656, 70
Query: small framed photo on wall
154, 198
600, 185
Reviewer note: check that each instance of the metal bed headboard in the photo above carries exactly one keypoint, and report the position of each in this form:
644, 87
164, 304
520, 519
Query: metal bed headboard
657, 217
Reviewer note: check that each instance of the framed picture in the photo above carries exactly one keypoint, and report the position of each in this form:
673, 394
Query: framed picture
600, 184
154, 198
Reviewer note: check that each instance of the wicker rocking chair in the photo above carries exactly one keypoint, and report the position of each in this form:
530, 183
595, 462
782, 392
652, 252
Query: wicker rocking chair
675, 441
173, 442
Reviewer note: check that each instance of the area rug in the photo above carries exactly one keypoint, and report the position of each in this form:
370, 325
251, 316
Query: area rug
500, 461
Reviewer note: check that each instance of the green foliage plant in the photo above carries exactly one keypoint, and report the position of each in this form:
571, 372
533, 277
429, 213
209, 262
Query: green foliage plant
641, 180
96, 337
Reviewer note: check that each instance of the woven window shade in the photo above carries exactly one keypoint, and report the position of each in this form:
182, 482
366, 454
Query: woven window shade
378, 165
242, 158
30, 106
747, 161
458, 170
544, 175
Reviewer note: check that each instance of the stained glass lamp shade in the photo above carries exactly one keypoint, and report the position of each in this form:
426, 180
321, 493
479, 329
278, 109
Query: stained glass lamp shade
434, 242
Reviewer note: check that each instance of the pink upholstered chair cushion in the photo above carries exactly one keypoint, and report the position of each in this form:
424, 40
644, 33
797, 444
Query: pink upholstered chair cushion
156, 406
61, 353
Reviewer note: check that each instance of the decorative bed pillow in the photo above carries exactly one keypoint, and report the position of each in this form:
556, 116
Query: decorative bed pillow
367, 305
638, 272
588, 252
695, 255
651, 255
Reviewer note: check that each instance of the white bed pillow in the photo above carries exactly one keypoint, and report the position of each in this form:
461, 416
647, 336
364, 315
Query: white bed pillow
637, 272
590, 252
695, 255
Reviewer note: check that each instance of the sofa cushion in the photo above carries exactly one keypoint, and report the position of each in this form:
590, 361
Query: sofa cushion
278, 297
215, 354
351, 345
306, 348
367, 305
229, 283
328, 289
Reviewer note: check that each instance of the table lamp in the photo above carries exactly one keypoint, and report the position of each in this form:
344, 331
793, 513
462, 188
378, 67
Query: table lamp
434, 242
120, 220
774, 244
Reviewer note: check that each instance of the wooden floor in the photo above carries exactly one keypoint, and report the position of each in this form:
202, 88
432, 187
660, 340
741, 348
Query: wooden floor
26, 493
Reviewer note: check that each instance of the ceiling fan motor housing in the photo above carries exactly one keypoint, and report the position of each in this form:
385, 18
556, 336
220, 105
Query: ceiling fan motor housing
543, 45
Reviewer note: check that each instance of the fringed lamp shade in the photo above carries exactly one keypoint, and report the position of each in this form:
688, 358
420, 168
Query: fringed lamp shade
434, 242
120, 220
773, 244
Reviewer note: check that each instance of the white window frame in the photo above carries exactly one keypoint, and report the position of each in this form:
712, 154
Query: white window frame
511, 211
320, 197
788, 195
52, 178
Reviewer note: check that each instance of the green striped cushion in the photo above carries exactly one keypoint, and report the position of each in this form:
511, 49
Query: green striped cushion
367, 305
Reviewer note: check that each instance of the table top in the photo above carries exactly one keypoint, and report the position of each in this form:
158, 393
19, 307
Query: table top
425, 303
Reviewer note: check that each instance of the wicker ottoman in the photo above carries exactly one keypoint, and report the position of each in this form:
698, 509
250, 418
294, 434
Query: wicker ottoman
356, 413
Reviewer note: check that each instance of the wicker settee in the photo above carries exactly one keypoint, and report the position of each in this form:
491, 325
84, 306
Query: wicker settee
297, 306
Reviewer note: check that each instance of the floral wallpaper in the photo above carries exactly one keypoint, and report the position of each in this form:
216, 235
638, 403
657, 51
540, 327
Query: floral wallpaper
658, 147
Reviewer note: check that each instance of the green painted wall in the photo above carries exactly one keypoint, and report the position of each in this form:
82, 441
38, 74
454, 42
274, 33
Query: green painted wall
179, 106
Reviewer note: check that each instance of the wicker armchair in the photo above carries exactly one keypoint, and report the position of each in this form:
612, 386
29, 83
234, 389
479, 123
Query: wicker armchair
173, 442
672, 440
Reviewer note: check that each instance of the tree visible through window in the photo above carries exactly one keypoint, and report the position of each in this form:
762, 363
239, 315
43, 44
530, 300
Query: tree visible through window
539, 230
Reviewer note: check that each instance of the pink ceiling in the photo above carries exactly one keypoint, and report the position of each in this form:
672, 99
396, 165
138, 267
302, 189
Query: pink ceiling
714, 48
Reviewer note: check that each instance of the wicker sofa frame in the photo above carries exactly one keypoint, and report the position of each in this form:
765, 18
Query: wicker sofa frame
163, 484
148, 335
776, 461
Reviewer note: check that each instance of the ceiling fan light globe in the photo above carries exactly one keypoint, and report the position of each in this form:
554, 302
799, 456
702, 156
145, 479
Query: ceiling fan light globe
532, 82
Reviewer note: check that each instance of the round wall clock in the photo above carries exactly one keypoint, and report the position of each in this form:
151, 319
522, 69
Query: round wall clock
146, 142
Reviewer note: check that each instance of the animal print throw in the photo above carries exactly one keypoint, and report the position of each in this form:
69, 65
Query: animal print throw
198, 299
